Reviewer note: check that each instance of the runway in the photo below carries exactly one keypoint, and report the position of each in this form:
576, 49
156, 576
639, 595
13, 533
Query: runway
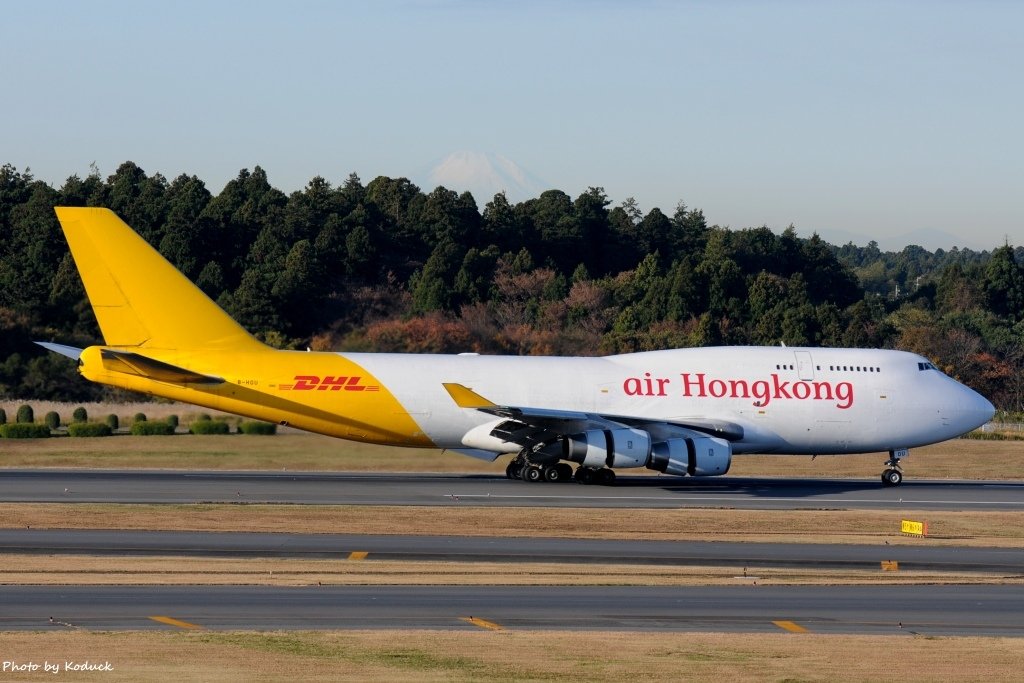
133, 486
919, 610
1003, 561
880, 609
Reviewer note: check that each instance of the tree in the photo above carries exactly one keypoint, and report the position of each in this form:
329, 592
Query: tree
138, 199
1004, 284
35, 248
299, 290
186, 239
591, 214
503, 226
557, 228
432, 287
237, 215
654, 235
473, 281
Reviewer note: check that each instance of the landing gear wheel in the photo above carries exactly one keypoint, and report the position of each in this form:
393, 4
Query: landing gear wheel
566, 471
532, 473
605, 477
552, 473
584, 475
892, 477
514, 470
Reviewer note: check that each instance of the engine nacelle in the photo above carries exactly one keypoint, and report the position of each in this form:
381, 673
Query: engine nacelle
624, 447
700, 456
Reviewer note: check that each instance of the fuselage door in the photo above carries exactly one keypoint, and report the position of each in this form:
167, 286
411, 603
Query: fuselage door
804, 365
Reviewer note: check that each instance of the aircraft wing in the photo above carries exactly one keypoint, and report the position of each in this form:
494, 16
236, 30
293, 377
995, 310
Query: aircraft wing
529, 427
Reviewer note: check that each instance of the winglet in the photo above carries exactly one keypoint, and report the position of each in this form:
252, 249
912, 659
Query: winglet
465, 397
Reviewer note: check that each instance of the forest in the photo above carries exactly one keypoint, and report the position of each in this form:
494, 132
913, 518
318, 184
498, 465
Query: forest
387, 266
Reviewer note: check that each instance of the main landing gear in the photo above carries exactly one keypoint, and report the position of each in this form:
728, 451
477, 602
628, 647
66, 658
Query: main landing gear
893, 474
520, 468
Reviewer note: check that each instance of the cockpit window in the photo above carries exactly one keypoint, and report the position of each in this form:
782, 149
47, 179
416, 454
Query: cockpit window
926, 366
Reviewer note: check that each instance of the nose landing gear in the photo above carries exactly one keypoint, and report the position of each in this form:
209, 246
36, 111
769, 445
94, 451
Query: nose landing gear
893, 475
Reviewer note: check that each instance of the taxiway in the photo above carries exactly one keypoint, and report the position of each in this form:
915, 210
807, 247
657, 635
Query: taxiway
161, 486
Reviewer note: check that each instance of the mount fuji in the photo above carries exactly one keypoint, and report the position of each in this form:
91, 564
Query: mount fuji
484, 175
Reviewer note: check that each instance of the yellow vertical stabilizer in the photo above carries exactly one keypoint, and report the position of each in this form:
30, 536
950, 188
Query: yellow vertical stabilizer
141, 300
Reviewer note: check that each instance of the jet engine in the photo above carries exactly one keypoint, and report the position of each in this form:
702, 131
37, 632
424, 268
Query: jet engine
700, 456
623, 447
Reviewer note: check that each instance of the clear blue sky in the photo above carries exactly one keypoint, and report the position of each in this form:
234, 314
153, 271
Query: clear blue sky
874, 118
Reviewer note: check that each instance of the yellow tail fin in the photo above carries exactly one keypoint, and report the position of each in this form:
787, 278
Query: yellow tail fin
141, 300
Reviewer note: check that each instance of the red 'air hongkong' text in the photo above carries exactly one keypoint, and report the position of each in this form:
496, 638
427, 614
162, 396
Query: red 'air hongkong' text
760, 392
763, 392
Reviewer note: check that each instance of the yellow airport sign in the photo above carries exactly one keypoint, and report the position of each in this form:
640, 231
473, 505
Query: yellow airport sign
912, 528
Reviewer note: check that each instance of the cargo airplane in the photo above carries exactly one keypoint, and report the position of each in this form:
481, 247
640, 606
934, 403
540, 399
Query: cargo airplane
679, 411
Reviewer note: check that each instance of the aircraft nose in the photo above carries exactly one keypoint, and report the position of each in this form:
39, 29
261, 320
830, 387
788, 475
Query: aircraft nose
977, 409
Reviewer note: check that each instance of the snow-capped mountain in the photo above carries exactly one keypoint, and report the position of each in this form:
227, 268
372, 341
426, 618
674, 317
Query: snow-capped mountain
485, 174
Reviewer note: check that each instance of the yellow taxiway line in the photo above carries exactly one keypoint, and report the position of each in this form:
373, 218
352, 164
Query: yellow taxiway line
175, 622
483, 623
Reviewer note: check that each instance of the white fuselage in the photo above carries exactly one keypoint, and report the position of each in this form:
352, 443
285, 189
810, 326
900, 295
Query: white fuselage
786, 400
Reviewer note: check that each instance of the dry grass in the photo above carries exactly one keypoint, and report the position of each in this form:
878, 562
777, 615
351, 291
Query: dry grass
471, 655
947, 528
467, 655
960, 459
83, 570
292, 451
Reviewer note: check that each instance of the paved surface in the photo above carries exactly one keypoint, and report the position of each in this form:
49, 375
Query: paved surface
111, 486
885, 609
1005, 561
925, 610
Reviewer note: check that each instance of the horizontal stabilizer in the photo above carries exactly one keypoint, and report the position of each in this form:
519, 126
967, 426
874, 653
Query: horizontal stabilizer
70, 351
136, 364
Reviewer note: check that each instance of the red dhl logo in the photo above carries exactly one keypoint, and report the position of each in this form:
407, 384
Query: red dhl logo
329, 383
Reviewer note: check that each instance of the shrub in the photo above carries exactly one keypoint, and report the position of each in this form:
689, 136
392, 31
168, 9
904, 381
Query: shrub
89, 429
79, 415
203, 417
112, 422
25, 415
172, 420
261, 428
992, 436
24, 430
3, 416
139, 417
154, 428
52, 420
209, 427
